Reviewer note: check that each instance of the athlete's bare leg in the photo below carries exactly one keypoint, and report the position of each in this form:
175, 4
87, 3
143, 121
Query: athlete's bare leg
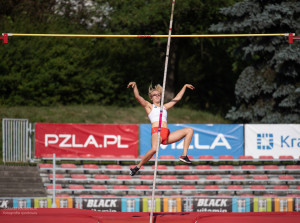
150, 152
186, 133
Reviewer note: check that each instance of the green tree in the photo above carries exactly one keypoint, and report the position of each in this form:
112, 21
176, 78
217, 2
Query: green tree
50, 71
268, 89
192, 60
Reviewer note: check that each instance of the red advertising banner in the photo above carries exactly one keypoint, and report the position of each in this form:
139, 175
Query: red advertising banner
85, 140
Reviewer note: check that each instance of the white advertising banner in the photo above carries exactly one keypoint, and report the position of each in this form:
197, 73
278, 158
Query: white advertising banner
272, 140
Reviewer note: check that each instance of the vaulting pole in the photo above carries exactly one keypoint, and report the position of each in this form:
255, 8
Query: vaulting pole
161, 110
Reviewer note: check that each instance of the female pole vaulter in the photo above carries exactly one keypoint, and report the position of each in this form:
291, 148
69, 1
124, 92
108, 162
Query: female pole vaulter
153, 112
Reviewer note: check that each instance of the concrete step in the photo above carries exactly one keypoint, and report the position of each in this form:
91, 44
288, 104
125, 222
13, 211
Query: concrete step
19, 179
31, 191
20, 195
18, 173
22, 181
18, 168
4, 185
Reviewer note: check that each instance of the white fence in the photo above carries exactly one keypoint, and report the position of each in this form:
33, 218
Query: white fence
17, 140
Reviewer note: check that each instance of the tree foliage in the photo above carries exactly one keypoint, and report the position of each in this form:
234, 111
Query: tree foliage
268, 89
51, 71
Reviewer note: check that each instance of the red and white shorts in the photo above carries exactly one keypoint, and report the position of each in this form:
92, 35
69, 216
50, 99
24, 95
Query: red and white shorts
164, 134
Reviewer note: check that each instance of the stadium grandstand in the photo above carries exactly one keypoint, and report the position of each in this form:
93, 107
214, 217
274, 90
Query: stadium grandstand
224, 176
60, 170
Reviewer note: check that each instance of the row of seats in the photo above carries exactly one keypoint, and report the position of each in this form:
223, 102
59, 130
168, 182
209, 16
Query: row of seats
166, 157
216, 179
171, 190
173, 179
167, 187
115, 169
166, 167
175, 195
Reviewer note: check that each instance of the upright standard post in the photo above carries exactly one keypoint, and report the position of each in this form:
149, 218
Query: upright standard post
161, 109
53, 189
292, 37
4, 37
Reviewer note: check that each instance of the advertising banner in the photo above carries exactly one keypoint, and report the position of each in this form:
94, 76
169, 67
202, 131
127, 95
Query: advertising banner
130, 204
162, 204
187, 204
42, 202
64, 202
297, 204
82, 139
22, 202
241, 204
6, 203
147, 204
203, 204
215, 140
102, 204
172, 205
272, 140
283, 204
262, 204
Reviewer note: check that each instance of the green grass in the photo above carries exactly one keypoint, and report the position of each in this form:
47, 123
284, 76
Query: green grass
102, 114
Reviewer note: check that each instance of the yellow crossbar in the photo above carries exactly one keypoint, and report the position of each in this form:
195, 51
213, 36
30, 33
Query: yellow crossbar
147, 36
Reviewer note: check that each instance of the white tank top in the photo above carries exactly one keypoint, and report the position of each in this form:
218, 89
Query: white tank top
154, 114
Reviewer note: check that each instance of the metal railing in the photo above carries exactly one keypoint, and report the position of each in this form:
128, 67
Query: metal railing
17, 140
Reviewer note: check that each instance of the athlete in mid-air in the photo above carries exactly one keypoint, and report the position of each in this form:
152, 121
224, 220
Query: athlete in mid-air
153, 112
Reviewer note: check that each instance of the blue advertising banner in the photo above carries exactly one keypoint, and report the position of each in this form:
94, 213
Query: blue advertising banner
130, 204
22, 203
208, 139
241, 204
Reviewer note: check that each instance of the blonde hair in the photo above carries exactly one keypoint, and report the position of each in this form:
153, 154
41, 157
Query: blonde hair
157, 87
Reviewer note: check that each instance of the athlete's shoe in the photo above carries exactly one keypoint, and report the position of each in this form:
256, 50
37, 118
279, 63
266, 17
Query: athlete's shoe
185, 159
133, 171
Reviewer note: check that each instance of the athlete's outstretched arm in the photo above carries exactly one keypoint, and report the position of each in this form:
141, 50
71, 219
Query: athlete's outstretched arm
178, 96
139, 98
